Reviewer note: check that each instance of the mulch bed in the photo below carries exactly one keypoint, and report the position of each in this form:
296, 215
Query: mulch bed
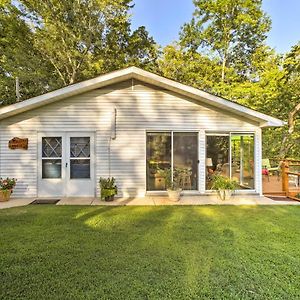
280, 198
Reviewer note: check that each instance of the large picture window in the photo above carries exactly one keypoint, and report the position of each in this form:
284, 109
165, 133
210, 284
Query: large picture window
231, 155
177, 151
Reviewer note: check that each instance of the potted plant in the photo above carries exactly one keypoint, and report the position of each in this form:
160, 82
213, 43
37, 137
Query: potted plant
224, 185
108, 188
173, 186
6, 188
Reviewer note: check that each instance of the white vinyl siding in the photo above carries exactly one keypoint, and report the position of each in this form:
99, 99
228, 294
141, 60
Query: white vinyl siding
140, 108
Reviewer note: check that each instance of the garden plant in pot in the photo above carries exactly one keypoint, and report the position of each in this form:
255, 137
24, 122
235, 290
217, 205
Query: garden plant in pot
224, 186
173, 187
108, 188
6, 188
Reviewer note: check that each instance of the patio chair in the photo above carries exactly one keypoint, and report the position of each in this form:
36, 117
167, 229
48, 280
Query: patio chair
268, 169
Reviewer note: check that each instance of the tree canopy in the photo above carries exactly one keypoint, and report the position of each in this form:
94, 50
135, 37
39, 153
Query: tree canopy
67, 41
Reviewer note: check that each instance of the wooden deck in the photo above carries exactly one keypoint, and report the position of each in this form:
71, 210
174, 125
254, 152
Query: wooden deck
272, 185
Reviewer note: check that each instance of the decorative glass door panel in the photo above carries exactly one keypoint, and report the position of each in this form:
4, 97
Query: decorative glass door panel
79, 157
51, 157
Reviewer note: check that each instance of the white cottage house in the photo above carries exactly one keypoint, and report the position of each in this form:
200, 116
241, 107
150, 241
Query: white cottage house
129, 124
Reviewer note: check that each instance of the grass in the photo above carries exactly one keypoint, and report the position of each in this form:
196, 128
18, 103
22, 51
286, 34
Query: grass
207, 252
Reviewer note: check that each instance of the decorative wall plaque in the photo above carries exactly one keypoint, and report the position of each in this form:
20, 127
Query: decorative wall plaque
18, 143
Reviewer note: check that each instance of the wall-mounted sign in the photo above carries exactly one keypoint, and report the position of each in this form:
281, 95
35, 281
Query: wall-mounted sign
17, 143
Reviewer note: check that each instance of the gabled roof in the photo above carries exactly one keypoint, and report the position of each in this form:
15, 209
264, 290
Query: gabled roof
147, 77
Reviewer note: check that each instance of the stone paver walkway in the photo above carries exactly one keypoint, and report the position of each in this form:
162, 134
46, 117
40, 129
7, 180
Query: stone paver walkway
159, 200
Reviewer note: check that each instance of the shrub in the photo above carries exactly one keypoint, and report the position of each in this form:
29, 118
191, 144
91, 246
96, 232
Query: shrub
220, 182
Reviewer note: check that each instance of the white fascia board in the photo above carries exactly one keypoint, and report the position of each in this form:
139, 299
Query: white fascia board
65, 92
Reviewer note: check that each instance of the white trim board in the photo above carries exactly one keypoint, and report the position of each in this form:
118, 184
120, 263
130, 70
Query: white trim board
147, 77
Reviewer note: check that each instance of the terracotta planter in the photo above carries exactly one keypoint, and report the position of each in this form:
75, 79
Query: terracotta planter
5, 195
109, 198
174, 195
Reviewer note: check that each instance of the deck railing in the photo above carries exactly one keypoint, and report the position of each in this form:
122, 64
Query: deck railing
291, 178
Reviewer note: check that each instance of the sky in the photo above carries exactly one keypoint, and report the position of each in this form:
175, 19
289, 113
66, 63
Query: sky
163, 19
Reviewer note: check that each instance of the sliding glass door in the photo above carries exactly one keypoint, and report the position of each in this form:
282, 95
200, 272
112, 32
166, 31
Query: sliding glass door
177, 151
231, 155
242, 159
217, 157
158, 158
185, 158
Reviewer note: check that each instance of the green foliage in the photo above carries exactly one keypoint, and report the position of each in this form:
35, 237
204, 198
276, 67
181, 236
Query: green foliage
7, 183
108, 187
178, 174
220, 182
229, 29
19, 58
50, 44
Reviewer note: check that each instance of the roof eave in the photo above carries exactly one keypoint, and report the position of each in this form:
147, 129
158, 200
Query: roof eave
148, 77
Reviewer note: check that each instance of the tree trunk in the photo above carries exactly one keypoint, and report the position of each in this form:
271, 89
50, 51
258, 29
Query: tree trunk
291, 128
223, 68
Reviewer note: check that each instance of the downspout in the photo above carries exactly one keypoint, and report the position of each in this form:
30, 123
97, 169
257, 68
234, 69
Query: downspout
113, 136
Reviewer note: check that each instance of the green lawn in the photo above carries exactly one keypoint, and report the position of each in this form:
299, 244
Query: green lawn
208, 252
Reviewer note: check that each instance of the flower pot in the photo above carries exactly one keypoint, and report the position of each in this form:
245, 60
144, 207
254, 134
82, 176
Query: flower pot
109, 198
174, 195
5, 195
225, 194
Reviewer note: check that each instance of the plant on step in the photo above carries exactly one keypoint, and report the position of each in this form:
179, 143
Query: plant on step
108, 188
6, 188
166, 174
297, 196
174, 187
224, 185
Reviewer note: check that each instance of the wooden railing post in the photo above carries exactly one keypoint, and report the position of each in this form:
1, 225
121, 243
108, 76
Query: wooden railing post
285, 176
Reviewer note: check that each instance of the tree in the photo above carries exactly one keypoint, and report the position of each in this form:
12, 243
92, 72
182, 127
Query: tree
57, 43
291, 93
188, 67
18, 58
86, 37
229, 29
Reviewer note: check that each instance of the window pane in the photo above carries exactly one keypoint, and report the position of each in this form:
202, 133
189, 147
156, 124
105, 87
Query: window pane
242, 154
80, 168
217, 157
51, 168
51, 147
158, 157
80, 147
185, 158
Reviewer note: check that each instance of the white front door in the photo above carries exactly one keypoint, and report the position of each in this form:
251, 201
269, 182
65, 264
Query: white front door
80, 165
66, 165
